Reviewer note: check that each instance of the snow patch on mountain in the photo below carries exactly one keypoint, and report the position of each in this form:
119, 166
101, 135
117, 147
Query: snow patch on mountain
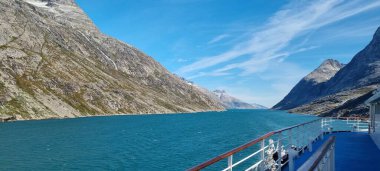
37, 3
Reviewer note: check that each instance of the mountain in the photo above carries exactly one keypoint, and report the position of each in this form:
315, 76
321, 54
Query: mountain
230, 102
311, 86
225, 99
345, 92
55, 63
258, 106
344, 103
363, 70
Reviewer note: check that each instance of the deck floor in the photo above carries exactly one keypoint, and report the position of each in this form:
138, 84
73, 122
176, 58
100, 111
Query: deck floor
353, 151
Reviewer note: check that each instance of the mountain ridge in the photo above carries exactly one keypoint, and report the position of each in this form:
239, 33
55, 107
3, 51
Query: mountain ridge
55, 63
343, 94
310, 87
362, 70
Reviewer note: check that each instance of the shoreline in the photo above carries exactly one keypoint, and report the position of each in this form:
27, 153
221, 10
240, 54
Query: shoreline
145, 114
307, 114
105, 115
287, 111
127, 114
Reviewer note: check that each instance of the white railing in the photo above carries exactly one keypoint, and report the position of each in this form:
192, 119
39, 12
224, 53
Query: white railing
278, 148
345, 124
358, 125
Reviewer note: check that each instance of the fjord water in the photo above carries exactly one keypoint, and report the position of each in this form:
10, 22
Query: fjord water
135, 142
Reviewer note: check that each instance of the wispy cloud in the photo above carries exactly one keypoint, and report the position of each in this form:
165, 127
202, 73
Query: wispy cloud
362, 28
213, 74
181, 60
218, 38
279, 84
272, 41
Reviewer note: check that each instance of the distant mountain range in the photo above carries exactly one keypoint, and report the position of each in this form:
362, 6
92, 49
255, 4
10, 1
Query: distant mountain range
230, 102
334, 89
224, 99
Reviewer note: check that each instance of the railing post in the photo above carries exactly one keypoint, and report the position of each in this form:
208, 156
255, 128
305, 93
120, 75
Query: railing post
358, 125
333, 158
290, 138
230, 158
322, 129
318, 130
369, 128
310, 144
369, 122
303, 138
279, 150
330, 126
262, 150
322, 123
292, 154
298, 138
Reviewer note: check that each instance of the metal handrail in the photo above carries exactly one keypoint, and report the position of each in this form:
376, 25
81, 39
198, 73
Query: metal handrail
299, 142
348, 118
355, 124
245, 146
317, 158
231, 152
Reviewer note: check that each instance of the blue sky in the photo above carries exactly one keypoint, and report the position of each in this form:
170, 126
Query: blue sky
256, 50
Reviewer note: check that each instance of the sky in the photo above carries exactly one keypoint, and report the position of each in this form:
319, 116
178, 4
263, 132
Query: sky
256, 50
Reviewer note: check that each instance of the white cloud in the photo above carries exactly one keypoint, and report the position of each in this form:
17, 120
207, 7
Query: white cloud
362, 28
272, 41
218, 38
181, 60
213, 74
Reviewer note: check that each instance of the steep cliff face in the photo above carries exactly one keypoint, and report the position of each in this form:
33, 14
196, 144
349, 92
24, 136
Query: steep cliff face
344, 94
363, 70
311, 86
54, 62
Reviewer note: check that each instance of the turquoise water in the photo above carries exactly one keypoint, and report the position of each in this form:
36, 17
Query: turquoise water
145, 142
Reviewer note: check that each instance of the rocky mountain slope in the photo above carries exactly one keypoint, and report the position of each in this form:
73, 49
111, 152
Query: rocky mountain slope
344, 93
363, 69
55, 63
230, 102
311, 86
344, 103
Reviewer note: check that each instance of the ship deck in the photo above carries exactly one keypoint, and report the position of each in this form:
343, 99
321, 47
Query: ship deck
353, 151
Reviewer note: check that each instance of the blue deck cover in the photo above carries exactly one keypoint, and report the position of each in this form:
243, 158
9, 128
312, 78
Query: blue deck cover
353, 151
